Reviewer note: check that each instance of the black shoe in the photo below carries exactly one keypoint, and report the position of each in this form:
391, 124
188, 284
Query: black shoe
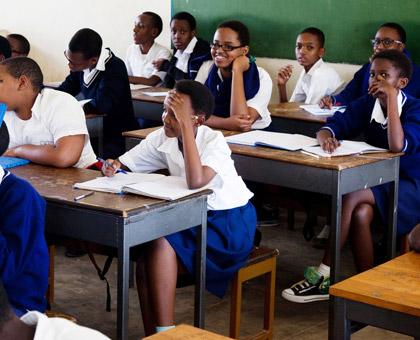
268, 215
74, 252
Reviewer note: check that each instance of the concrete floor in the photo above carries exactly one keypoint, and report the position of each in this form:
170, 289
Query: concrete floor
79, 292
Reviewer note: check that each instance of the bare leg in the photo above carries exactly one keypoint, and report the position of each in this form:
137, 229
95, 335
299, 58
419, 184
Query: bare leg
361, 236
161, 268
350, 202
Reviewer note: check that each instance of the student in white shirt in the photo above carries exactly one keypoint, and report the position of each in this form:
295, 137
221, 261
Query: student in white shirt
202, 157
45, 126
317, 79
241, 89
141, 54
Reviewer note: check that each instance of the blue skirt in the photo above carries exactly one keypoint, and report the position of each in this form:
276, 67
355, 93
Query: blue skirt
230, 239
408, 213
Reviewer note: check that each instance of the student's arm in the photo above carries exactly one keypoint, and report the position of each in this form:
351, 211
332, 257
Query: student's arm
71, 84
197, 175
151, 81
65, 153
233, 123
283, 75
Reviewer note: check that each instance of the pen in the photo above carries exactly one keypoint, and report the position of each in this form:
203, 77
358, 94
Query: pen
309, 154
109, 164
78, 198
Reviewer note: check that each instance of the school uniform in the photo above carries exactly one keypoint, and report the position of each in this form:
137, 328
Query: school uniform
54, 115
231, 218
319, 81
365, 115
108, 88
185, 64
23, 251
140, 65
359, 85
257, 86
58, 328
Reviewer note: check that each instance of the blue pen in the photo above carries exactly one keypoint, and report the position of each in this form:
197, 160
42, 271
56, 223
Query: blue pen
122, 171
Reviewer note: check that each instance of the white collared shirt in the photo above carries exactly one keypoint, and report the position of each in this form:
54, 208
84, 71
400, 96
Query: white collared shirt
321, 80
378, 114
259, 102
55, 114
140, 65
58, 328
184, 56
158, 151
90, 75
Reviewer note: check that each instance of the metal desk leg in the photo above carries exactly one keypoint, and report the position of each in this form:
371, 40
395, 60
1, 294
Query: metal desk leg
123, 278
342, 324
200, 276
392, 213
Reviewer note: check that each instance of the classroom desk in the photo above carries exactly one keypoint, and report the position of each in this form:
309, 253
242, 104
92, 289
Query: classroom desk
334, 176
290, 118
387, 296
120, 221
148, 107
95, 126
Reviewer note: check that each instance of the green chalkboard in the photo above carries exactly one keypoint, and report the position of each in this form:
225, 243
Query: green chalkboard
274, 24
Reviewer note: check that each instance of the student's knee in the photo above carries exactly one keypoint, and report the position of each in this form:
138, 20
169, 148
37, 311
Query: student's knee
362, 214
353, 199
160, 245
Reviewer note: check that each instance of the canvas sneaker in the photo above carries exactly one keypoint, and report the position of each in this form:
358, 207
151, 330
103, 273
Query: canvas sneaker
314, 287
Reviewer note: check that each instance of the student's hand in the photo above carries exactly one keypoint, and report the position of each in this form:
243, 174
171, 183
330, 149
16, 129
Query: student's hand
179, 106
381, 87
327, 142
284, 74
110, 167
10, 153
157, 63
240, 64
326, 102
239, 123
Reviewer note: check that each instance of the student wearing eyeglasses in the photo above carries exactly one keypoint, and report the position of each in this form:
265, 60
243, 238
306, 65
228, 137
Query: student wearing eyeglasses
390, 36
241, 89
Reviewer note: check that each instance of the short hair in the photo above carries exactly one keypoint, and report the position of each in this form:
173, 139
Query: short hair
201, 98
20, 66
398, 59
5, 309
156, 21
397, 27
87, 42
5, 48
187, 17
24, 46
238, 27
4, 144
317, 32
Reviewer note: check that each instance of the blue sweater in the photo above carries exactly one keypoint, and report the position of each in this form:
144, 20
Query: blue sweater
111, 95
356, 119
23, 250
359, 85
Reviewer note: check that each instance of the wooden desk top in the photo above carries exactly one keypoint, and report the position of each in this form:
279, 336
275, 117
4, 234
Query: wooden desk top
139, 95
293, 111
394, 285
295, 157
56, 185
186, 332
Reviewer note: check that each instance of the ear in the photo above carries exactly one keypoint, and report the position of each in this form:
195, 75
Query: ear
402, 82
155, 32
200, 119
23, 82
401, 47
245, 50
93, 61
193, 32
321, 52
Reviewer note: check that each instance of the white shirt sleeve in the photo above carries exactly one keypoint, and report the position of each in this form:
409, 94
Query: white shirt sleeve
260, 101
324, 81
127, 61
204, 71
299, 95
162, 53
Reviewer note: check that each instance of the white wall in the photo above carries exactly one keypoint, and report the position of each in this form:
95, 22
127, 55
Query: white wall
50, 24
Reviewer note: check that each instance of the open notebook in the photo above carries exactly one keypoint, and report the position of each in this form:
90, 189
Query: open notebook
152, 185
317, 111
346, 148
286, 141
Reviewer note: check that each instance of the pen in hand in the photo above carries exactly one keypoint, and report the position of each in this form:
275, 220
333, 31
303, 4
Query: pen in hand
78, 198
122, 171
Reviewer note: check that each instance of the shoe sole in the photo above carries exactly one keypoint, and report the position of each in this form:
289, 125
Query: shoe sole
305, 299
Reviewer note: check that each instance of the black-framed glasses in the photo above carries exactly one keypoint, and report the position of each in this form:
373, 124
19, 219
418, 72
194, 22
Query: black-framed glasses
224, 47
387, 42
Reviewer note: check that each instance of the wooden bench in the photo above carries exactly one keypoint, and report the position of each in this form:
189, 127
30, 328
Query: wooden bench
386, 296
262, 261
182, 332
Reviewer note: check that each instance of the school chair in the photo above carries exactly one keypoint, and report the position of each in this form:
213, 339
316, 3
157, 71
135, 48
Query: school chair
56, 314
50, 289
261, 261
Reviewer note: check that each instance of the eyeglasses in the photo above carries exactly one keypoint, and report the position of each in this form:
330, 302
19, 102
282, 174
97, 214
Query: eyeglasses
387, 42
226, 48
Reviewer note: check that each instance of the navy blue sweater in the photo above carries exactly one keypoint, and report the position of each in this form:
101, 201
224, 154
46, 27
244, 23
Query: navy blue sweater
358, 86
23, 250
111, 95
200, 54
356, 119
